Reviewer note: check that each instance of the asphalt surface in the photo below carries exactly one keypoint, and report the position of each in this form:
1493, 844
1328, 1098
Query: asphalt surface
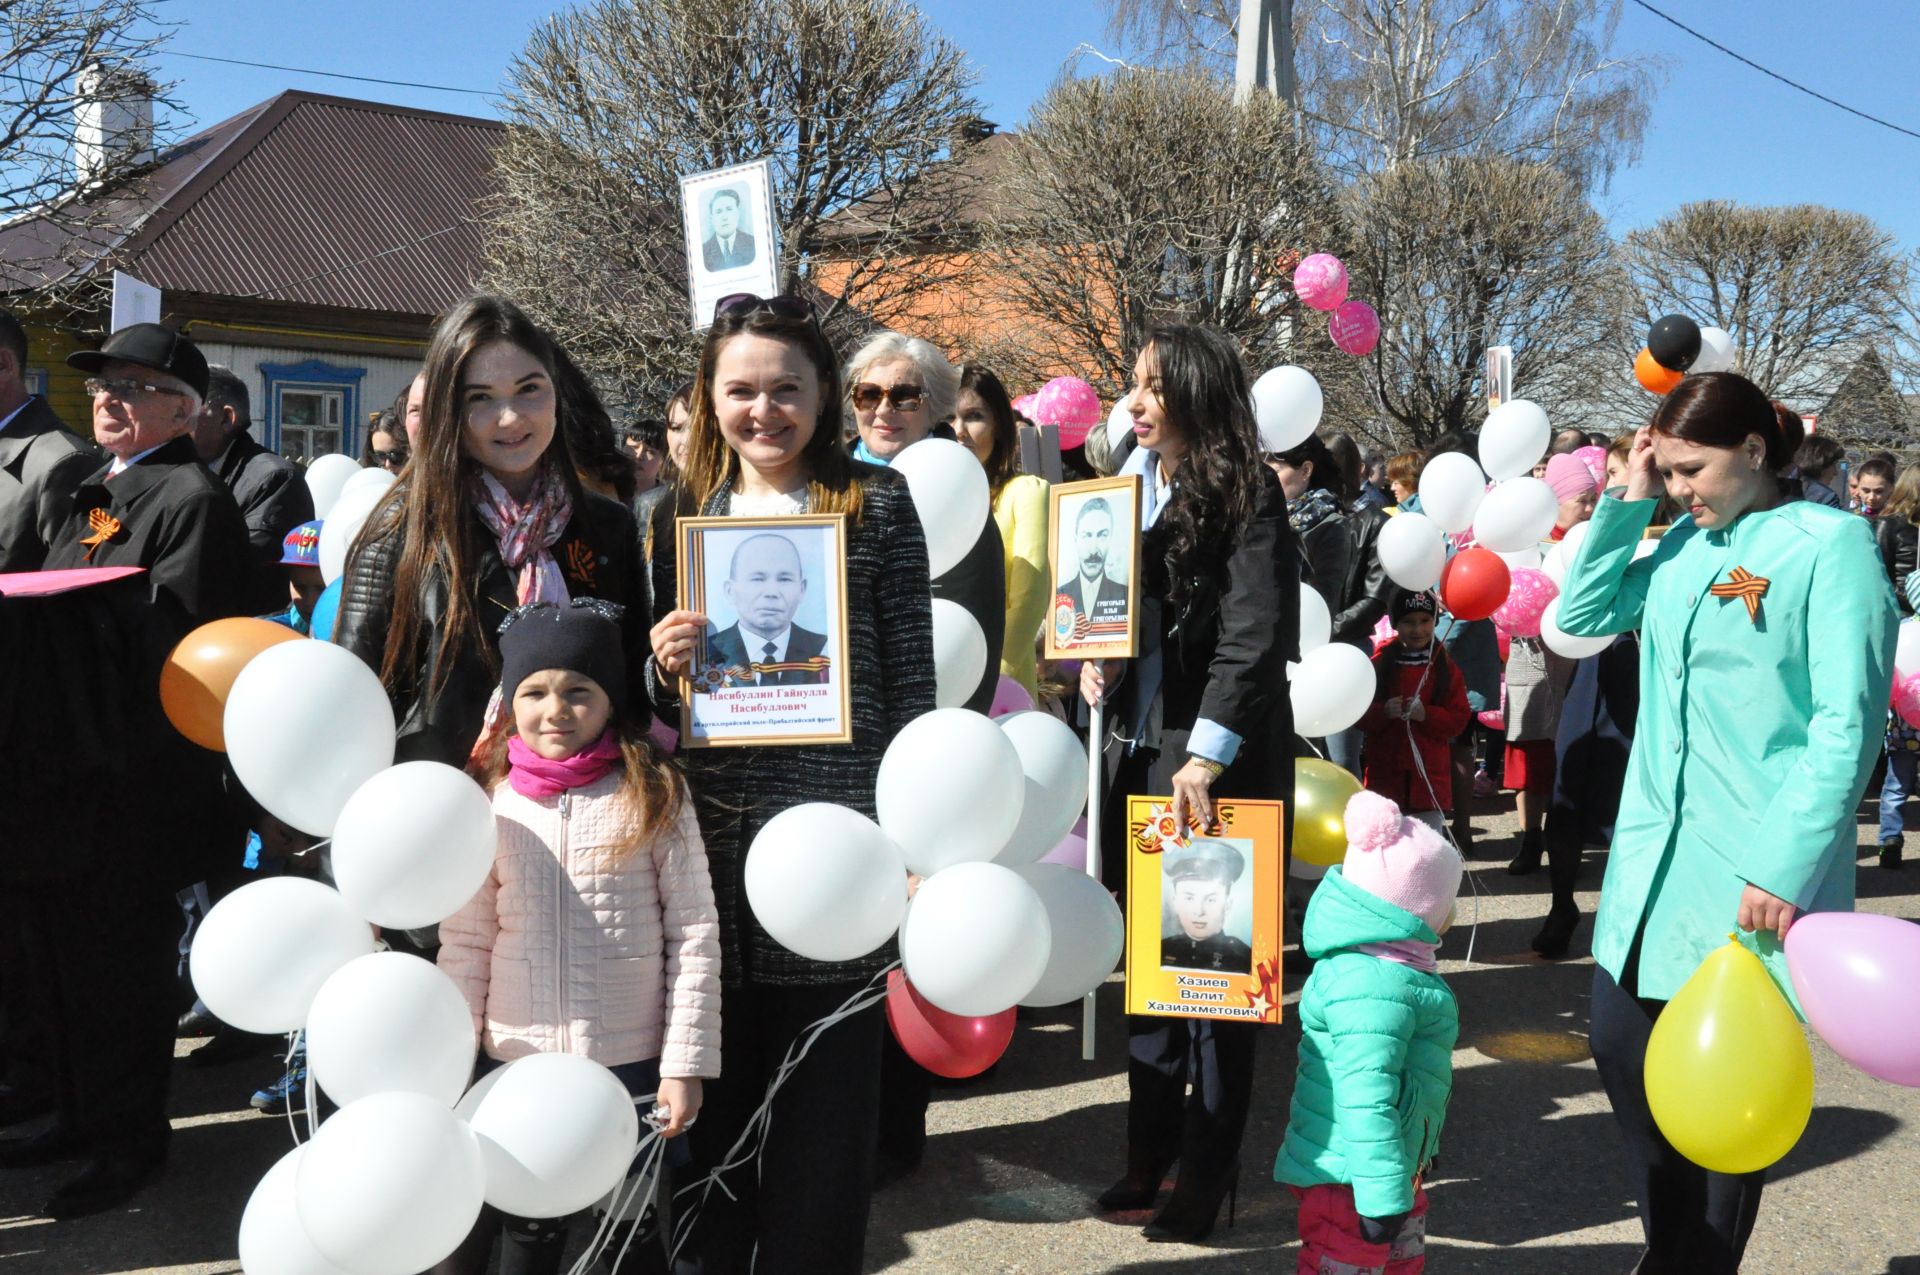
1530, 1180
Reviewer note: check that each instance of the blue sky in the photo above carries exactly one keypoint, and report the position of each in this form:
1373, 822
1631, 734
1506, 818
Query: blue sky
1720, 129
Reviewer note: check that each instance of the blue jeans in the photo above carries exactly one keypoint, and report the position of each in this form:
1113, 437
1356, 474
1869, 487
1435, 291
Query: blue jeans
1894, 790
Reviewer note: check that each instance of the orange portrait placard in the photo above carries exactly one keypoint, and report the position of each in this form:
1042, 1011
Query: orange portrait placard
1203, 912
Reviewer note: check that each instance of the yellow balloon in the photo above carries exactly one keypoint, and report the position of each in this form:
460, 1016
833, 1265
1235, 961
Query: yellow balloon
1321, 791
1728, 1072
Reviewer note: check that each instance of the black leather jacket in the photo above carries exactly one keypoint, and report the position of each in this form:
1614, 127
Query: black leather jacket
599, 553
1343, 563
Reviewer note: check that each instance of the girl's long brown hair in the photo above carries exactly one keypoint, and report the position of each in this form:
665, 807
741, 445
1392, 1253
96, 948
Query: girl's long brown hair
1003, 458
429, 509
651, 782
832, 487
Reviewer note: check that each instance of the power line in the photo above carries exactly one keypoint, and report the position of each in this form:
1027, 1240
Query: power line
1704, 39
333, 75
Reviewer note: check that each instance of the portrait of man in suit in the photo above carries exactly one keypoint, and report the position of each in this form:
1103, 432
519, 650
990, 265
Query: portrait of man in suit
728, 243
764, 647
1094, 593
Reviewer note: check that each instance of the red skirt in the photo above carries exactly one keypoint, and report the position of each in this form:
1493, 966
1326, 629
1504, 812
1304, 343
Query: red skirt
1529, 768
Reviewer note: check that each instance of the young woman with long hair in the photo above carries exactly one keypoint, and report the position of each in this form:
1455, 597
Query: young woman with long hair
764, 439
1203, 714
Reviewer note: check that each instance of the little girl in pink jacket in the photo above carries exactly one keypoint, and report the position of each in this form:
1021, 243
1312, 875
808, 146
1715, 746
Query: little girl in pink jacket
596, 932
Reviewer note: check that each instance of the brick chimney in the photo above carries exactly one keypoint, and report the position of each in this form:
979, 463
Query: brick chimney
112, 121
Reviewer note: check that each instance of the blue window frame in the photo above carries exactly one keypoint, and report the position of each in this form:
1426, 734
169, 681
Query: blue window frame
312, 408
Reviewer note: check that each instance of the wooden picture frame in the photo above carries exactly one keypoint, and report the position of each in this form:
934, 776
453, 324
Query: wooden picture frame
1111, 629
733, 571
1214, 951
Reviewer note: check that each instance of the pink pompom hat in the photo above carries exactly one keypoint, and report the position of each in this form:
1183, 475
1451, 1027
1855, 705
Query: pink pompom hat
1400, 860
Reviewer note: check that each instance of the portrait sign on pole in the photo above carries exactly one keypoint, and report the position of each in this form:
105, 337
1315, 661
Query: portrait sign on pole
1203, 912
1093, 555
732, 239
772, 663
1499, 375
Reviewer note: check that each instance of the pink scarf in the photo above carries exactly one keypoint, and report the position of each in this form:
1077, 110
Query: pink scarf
526, 533
535, 776
1409, 952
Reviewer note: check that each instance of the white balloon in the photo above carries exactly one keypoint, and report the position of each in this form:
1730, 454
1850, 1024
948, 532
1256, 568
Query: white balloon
1563, 643
1316, 620
1088, 933
959, 654
306, 724
413, 844
264, 951
1332, 690
1561, 556
1451, 489
1119, 424
1412, 550
272, 1241
390, 1184
825, 882
1517, 514
390, 1022
976, 939
557, 1132
1716, 351
326, 476
1054, 763
1906, 649
1514, 439
342, 526
951, 495
372, 478
1286, 405
950, 790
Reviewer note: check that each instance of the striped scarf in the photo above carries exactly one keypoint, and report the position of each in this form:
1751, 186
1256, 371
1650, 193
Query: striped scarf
526, 533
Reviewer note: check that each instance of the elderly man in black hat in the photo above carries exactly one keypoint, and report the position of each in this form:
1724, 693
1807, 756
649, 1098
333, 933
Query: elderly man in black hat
97, 862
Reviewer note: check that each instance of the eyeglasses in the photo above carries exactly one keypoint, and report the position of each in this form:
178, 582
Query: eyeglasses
905, 398
786, 305
126, 390
389, 458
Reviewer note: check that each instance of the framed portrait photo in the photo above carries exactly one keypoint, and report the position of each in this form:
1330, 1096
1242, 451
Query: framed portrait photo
1093, 559
731, 237
1203, 912
772, 663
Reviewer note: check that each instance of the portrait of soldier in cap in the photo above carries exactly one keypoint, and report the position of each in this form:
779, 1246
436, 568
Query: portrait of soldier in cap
1199, 887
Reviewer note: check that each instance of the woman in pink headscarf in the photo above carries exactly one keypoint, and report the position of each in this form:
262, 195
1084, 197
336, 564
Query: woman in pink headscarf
1537, 680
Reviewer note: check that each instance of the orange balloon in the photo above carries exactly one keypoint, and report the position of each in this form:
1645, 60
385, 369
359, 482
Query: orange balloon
199, 672
1652, 377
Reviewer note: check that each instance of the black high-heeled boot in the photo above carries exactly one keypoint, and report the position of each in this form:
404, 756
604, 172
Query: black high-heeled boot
1138, 1189
1533, 848
1557, 933
1192, 1211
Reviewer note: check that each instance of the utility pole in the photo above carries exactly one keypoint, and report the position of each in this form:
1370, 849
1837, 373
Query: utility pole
1265, 62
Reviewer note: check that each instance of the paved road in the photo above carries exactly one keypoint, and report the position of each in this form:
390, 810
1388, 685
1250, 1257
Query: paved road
1529, 1183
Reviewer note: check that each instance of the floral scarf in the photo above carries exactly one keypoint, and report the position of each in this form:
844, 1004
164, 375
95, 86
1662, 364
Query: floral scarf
527, 533
1311, 509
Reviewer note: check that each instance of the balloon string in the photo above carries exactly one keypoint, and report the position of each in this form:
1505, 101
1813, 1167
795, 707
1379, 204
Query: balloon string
293, 1047
1446, 833
761, 1121
643, 1174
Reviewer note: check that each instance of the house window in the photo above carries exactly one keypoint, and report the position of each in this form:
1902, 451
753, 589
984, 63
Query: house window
36, 381
312, 409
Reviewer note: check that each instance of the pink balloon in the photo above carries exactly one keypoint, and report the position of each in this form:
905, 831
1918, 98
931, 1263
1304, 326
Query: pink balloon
1527, 598
1854, 975
1595, 460
1072, 850
1024, 405
1070, 404
1495, 719
1320, 281
1906, 699
1009, 697
1355, 327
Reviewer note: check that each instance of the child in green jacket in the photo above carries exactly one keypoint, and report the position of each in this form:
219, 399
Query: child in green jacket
1376, 1050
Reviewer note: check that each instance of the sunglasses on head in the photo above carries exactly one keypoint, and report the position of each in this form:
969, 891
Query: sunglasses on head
905, 398
786, 305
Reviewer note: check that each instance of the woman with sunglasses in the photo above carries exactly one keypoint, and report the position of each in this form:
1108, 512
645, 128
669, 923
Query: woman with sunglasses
1203, 714
900, 388
764, 440
386, 443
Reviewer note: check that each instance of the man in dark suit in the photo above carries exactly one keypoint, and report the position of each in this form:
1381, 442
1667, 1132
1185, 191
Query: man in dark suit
765, 584
105, 933
41, 461
1092, 535
270, 489
728, 246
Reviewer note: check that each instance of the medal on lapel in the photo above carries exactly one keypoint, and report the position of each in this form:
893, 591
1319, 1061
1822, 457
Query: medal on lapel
1748, 587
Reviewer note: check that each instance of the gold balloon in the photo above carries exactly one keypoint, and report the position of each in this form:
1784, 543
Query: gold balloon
1728, 1072
198, 674
1321, 791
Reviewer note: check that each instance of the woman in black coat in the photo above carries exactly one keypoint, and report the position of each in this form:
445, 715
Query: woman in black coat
1203, 712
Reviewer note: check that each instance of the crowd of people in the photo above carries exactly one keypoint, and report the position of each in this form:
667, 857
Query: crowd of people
516, 594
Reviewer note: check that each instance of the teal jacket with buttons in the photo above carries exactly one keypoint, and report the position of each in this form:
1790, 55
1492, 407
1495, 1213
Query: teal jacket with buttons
1757, 729
1376, 1054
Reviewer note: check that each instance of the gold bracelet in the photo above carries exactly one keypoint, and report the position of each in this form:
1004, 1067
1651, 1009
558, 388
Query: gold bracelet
1208, 764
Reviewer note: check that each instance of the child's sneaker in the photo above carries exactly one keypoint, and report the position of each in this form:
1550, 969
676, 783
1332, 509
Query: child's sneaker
287, 1092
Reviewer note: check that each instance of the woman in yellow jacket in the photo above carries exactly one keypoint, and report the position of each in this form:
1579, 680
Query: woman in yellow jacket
983, 420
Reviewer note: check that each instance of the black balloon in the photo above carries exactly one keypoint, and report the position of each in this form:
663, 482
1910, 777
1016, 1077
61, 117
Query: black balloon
1674, 342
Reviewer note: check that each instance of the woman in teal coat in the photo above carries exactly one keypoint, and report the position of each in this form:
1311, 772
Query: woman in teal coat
1767, 634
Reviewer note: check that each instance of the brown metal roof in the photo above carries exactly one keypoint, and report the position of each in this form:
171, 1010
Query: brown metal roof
315, 200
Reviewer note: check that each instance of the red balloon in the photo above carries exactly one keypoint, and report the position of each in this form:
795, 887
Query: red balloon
950, 1045
1475, 583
